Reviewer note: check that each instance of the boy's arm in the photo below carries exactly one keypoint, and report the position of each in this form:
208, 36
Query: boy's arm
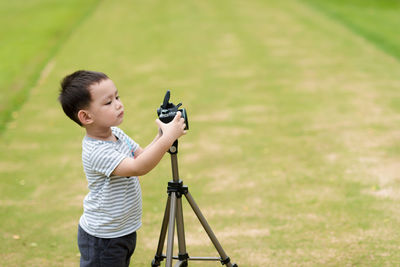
149, 157
139, 150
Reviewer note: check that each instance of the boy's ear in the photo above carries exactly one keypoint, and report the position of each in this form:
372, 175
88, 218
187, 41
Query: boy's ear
84, 117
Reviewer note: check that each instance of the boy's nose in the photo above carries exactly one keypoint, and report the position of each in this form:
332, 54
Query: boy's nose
119, 104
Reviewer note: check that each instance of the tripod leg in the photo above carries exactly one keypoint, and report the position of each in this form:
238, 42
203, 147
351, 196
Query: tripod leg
158, 257
171, 229
182, 255
207, 228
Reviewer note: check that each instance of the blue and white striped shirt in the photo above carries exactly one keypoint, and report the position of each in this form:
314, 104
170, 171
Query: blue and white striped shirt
113, 206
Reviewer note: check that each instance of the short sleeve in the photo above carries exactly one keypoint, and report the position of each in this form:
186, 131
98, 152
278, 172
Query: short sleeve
105, 158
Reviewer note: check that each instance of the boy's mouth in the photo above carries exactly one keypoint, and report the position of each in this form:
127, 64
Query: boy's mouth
120, 115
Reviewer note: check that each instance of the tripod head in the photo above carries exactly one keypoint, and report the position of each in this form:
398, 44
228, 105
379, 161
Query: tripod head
167, 111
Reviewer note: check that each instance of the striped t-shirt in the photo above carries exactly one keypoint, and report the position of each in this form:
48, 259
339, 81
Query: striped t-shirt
113, 206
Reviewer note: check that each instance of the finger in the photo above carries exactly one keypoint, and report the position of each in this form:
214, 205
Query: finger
159, 123
178, 116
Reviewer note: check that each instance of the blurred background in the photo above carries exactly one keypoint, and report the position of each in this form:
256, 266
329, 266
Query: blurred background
293, 149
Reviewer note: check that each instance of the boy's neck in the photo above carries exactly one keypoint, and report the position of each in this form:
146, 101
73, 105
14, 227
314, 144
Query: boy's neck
103, 134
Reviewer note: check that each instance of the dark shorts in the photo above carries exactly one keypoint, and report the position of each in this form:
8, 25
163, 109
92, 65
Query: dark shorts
104, 252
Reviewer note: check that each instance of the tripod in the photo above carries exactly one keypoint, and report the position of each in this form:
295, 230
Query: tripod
174, 211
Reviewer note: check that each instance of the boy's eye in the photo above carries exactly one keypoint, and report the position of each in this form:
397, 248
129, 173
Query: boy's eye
108, 103
117, 97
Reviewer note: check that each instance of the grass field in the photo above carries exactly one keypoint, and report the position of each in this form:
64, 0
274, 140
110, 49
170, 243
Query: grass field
293, 151
31, 33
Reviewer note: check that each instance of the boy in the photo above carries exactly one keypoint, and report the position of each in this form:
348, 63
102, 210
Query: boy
112, 163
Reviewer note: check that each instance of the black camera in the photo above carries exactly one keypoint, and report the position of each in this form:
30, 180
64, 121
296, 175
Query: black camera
167, 111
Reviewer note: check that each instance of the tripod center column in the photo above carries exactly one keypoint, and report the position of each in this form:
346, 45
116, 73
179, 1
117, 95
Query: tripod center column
174, 164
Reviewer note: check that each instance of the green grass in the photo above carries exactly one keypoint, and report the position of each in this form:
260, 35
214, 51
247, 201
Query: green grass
31, 33
373, 20
292, 153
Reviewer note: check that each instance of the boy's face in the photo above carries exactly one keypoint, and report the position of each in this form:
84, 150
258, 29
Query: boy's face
105, 109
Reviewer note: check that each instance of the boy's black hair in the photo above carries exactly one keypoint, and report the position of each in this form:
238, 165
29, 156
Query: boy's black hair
75, 94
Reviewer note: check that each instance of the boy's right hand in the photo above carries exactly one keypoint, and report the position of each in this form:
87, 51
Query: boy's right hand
174, 129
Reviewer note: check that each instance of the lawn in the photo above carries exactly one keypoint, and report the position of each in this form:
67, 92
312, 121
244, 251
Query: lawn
371, 19
292, 155
31, 33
